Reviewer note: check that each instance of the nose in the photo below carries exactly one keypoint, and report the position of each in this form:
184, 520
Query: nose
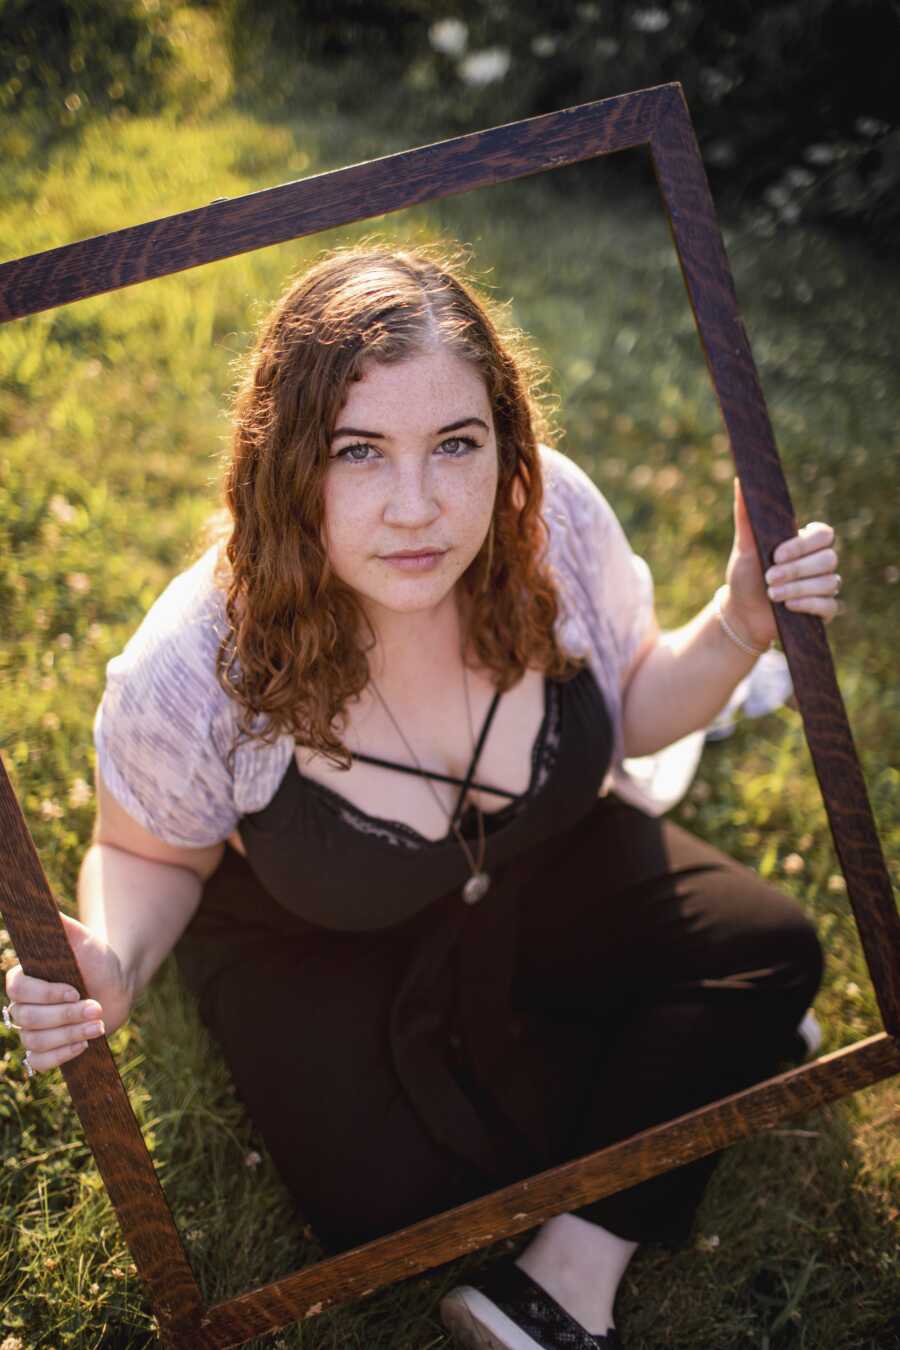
412, 501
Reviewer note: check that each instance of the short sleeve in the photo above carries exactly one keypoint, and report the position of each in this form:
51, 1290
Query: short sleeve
609, 611
612, 585
159, 731
626, 583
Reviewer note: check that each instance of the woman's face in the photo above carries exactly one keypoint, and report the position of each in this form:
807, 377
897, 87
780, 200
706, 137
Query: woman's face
412, 470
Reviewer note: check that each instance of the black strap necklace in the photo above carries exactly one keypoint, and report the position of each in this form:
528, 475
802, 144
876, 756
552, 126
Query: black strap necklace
479, 882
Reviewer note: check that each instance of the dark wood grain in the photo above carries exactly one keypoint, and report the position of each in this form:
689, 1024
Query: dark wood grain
710, 287
32, 919
240, 224
657, 117
521, 1206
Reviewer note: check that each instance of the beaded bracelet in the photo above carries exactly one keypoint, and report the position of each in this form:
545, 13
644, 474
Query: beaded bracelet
726, 627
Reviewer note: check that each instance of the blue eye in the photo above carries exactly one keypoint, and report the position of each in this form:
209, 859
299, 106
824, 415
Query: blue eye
348, 453
465, 443
454, 447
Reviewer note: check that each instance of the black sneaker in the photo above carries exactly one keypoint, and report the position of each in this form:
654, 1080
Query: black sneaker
505, 1309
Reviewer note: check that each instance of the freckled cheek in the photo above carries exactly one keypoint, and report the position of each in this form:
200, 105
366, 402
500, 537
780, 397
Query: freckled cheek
473, 509
475, 504
349, 528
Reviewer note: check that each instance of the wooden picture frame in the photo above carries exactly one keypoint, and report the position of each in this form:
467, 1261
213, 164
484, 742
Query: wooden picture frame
657, 118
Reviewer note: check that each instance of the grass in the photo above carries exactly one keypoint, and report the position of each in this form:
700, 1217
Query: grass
111, 435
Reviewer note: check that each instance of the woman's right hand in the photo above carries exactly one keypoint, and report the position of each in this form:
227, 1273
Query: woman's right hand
55, 1026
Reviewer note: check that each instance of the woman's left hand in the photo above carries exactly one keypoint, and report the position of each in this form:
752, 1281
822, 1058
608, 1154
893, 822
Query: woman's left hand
803, 576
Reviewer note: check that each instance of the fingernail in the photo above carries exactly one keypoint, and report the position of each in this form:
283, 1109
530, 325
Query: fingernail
92, 1008
72, 995
774, 574
776, 592
93, 1028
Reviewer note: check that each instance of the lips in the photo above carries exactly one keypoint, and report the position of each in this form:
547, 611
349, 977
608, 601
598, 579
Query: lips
415, 553
414, 561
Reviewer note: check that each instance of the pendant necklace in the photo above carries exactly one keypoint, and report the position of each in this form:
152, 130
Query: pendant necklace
478, 883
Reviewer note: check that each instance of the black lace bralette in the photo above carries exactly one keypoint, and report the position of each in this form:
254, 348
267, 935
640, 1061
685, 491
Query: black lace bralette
336, 865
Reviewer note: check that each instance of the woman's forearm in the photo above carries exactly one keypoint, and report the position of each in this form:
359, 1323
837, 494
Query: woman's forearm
683, 682
138, 906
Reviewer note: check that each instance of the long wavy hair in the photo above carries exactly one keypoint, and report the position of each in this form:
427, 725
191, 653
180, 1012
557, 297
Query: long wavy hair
292, 656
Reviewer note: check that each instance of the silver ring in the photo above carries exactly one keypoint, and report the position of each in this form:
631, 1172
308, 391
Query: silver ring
7, 1018
29, 1067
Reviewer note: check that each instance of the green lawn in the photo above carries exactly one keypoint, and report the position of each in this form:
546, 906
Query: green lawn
112, 428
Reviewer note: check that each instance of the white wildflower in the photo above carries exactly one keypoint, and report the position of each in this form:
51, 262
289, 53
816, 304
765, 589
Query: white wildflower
819, 154
449, 36
650, 20
80, 793
870, 126
486, 66
61, 509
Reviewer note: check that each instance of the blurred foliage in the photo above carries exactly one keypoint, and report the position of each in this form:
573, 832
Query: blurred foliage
796, 103
66, 59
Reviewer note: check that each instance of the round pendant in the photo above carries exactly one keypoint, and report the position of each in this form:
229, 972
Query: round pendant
476, 888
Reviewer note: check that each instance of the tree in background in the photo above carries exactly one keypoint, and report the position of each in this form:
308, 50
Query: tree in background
796, 103
63, 60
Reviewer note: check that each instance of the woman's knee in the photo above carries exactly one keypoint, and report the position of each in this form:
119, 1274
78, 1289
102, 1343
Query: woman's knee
801, 957
760, 939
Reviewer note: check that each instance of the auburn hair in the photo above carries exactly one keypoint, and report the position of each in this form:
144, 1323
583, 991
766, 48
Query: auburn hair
291, 656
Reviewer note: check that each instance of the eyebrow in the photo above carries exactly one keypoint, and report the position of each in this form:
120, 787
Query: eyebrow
379, 435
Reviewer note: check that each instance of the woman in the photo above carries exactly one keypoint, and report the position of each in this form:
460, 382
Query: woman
348, 768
